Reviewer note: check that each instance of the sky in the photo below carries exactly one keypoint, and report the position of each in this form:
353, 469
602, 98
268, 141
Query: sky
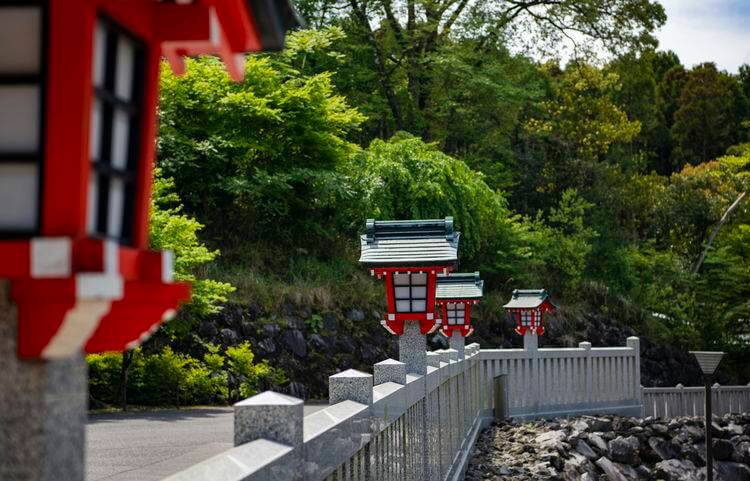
708, 31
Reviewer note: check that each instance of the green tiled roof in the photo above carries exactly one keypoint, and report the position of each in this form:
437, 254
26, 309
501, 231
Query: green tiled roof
459, 286
393, 243
527, 299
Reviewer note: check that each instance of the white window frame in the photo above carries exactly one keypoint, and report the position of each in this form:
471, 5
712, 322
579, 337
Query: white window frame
18, 165
411, 290
456, 313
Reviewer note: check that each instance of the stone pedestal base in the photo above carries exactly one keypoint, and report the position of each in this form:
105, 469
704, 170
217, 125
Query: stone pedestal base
412, 348
530, 342
458, 343
42, 410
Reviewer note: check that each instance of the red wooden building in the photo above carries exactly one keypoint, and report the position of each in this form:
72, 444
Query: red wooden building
409, 255
456, 294
78, 97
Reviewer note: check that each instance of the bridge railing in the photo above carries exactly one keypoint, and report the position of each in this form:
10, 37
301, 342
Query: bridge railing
566, 381
668, 402
405, 427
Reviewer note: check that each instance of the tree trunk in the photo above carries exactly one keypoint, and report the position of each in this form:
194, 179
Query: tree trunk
385, 80
127, 359
711, 238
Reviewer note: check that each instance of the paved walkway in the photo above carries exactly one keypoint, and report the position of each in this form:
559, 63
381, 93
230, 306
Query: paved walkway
148, 446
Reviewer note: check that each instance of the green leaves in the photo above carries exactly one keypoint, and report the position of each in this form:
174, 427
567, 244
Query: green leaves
405, 178
172, 229
264, 152
582, 116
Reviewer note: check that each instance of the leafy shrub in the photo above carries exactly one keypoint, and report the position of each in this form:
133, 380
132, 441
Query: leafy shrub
104, 376
247, 375
172, 229
314, 323
169, 378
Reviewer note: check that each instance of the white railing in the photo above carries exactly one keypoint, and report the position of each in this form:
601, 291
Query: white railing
669, 402
394, 426
421, 429
568, 381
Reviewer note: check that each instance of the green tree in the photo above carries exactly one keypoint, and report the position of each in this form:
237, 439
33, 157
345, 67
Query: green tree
582, 117
480, 93
560, 246
709, 111
172, 229
404, 38
405, 178
637, 97
264, 152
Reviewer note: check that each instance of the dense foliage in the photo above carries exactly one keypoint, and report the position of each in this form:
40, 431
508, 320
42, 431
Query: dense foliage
167, 377
616, 181
597, 187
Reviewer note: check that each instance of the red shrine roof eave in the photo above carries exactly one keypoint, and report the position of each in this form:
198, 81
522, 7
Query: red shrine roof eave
457, 301
433, 269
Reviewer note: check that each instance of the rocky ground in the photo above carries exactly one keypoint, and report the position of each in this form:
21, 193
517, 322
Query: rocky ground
611, 448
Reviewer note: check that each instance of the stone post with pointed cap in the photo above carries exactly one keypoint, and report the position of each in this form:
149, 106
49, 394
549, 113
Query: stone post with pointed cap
389, 370
350, 385
269, 415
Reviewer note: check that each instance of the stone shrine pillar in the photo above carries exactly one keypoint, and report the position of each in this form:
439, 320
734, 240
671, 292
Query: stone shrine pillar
458, 343
412, 348
530, 341
43, 415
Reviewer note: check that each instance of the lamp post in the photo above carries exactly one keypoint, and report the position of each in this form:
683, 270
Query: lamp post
408, 255
455, 294
708, 362
527, 308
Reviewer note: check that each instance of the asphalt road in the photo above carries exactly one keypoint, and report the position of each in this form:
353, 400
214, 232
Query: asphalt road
148, 446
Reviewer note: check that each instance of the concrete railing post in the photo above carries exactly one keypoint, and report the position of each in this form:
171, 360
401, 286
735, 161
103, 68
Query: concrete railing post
350, 385
635, 343
433, 359
269, 415
589, 374
273, 417
716, 394
389, 370
530, 341
683, 401
431, 417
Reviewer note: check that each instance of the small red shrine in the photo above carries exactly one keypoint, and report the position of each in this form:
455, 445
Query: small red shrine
78, 98
409, 255
456, 294
527, 308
